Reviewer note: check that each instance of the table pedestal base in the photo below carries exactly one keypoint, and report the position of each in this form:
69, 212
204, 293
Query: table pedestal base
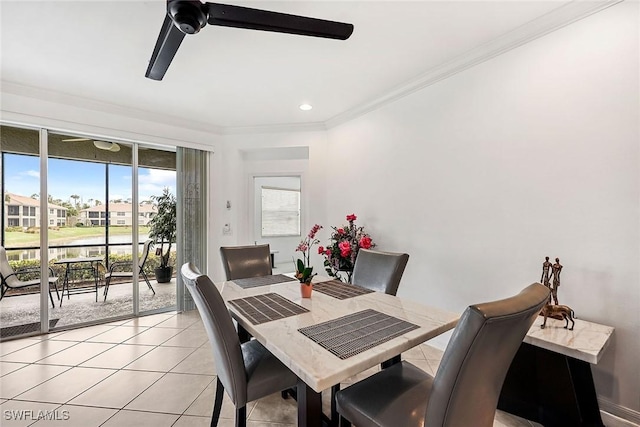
551, 389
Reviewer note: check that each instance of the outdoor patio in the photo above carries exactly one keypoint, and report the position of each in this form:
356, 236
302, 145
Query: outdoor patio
83, 308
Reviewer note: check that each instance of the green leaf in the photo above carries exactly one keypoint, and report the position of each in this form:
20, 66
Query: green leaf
300, 266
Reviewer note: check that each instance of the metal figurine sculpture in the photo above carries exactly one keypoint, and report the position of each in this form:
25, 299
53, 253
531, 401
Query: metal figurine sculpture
556, 269
555, 311
546, 266
558, 312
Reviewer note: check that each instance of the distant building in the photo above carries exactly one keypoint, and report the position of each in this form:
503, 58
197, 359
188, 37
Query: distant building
119, 214
21, 211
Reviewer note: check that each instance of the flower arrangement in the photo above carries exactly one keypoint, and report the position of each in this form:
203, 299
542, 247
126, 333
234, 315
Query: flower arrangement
304, 271
346, 241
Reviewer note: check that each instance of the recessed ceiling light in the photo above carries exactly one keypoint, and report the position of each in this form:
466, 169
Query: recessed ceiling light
305, 107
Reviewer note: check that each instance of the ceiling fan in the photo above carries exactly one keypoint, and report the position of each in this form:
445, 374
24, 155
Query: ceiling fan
189, 16
102, 145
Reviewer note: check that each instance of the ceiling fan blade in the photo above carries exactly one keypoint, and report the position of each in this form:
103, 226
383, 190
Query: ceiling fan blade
257, 19
166, 47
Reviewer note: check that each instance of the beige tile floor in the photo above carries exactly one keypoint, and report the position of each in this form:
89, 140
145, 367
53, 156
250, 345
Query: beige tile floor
152, 371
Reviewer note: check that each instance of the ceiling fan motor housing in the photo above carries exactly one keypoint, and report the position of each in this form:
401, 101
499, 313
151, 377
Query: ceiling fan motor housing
187, 15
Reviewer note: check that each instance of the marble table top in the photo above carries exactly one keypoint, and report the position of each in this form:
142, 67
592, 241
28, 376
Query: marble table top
314, 365
586, 342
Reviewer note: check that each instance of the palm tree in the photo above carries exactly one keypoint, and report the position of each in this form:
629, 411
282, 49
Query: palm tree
75, 197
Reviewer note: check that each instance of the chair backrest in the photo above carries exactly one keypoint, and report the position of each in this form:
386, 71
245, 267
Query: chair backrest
241, 262
223, 337
6, 271
467, 385
380, 271
145, 253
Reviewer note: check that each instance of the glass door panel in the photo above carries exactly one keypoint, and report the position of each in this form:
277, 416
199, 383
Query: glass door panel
20, 236
156, 187
92, 180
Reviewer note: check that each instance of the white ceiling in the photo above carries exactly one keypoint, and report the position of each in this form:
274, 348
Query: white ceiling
231, 78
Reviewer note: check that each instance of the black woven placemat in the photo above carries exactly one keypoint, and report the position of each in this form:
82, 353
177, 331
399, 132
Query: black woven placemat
337, 289
354, 333
266, 307
253, 282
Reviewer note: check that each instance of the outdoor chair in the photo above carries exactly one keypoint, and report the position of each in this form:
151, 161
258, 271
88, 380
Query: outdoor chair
241, 262
123, 269
466, 387
247, 371
10, 278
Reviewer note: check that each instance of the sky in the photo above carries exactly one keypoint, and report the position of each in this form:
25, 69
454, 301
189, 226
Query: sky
85, 179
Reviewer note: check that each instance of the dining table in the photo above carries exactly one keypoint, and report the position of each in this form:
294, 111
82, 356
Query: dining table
340, 331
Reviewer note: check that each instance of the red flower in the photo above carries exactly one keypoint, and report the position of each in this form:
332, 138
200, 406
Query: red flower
365, 242
320, 250
340, 230
328, 252
345, 248
351, 217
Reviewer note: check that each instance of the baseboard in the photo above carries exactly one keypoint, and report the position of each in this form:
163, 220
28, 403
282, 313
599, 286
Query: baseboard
614, 415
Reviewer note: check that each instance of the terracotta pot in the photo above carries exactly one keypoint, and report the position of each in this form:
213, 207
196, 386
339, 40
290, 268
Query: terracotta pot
305, 289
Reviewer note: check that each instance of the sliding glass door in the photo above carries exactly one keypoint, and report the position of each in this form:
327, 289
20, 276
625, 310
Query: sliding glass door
90, 230
20, 238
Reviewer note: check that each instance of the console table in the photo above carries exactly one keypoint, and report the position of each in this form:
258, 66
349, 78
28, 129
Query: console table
550, 379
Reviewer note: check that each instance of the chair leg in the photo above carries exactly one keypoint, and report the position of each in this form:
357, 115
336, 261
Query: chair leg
146, 279
344, 422
217, 403
241, 417
106, 287
51, 298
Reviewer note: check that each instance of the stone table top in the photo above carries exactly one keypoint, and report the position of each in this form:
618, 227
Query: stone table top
316, 366
586, 342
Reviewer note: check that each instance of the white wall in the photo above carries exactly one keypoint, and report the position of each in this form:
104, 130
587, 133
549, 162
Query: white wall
232, 175
531, 154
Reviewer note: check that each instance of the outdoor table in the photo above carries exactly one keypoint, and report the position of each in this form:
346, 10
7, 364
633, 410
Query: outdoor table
77, 265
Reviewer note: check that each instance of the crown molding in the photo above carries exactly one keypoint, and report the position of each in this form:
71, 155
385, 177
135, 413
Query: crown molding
104, 107
278, 128
545, 24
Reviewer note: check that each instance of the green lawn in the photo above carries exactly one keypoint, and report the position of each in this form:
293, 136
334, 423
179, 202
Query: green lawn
65, 235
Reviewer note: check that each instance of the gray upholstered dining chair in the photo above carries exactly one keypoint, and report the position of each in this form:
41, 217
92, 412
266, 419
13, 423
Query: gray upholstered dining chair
247, 371
241, 262
379, 271
123, 269
10, 279
466, 387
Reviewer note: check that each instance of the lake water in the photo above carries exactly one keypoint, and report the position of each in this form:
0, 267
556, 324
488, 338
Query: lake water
95, 246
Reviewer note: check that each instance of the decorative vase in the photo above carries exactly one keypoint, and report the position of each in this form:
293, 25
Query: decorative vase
305, 289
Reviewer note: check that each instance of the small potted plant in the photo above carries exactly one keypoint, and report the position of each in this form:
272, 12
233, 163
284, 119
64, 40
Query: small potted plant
162, 229
304, 270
